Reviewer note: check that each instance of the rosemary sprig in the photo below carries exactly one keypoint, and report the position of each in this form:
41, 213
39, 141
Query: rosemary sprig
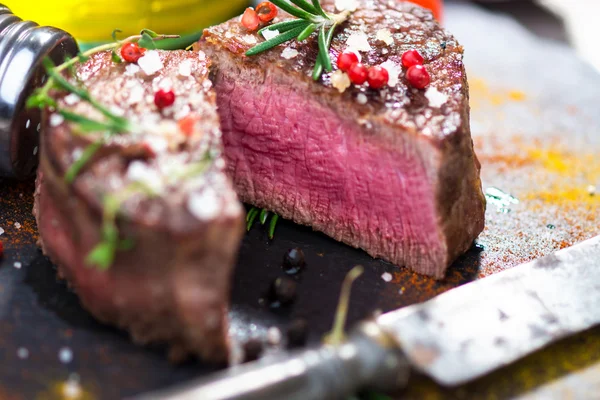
103, 255
311, 18
262, 216
78, 165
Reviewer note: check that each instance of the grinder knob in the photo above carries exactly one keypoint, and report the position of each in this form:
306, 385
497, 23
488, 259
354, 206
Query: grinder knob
23, 45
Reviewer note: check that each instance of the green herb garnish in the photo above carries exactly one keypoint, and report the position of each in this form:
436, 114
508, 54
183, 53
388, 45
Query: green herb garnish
311, 18
262, 216
337, 335
103, 255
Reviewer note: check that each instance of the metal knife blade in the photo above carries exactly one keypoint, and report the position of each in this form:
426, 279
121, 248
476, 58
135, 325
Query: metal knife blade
456, 337
467, 332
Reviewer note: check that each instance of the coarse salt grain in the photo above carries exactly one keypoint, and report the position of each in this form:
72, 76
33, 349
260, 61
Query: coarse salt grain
386, 276
274, 335
385, 36
22, 353
185, 68
201, 56
288, 53
17, 225
394, 70
346, 5
270, 34
150, 62
139, 171
136, 95
204, 205
1, 231
65, 355
362, 98
56, 119
71, 99
340, 80
35, 150
435, 97
17, 265
358, 41
77, 153
132, 69
250, 39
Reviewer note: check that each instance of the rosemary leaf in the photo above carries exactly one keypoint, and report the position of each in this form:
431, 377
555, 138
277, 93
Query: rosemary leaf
40, 100
85, 125
86, 156
276, 41
101, 256
305, 5
146, 41
318, 70
149, 32
284, 26
82, 58
250, 217
319, 10
306, 32
295, 11
264, 214
324, 50
114, 34
272, 226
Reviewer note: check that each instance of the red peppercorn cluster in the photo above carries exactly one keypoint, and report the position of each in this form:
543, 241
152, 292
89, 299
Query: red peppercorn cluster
132, 52
264, 13
416, 74
377, 76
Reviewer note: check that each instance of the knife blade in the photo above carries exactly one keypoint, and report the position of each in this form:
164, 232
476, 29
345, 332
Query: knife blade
456, 337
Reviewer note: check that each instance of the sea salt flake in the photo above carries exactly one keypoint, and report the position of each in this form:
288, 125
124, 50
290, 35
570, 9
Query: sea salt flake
132, 69
77, 153
150, 63
65, 355
17, 265
139, 171
17, 225
22, 353
385, 36
340, 81
435, 97
204, 205
71, 99
346, 5
288, 53
35, 150
386, 276
394, 70
136, 95
270, 34
201, 55
362, 99
185, 68
358, 41
228, 35
1, 231
56, 120
250, 39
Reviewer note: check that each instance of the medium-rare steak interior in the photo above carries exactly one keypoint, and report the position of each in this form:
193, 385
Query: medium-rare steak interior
391, 171
147, 231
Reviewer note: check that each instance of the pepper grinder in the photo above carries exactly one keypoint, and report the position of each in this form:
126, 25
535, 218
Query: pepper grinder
23, 46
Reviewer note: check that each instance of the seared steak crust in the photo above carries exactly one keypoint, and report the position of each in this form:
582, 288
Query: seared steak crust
173, 286
395, 175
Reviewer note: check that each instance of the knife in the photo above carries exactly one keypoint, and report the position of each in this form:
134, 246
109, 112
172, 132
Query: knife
454, 338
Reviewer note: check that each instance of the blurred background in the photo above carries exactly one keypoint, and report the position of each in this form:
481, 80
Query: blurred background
92, 21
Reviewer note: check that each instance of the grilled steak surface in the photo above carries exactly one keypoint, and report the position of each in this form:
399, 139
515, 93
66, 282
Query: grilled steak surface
173, 284
390, 171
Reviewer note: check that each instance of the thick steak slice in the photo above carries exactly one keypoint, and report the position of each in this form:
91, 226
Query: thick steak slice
392, 171
173, 284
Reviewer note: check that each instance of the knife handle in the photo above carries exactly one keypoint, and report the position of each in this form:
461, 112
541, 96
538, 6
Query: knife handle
368, 360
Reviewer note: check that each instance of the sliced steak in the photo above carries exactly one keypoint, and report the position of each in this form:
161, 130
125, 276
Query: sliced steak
173, 284
390, 171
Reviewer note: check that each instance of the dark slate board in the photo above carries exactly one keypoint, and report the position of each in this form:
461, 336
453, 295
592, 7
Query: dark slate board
536, 129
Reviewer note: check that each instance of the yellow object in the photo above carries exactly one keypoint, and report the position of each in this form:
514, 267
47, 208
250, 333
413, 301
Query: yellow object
94, 20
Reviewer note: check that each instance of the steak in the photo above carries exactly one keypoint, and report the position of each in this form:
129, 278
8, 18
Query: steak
173, 284
389, 171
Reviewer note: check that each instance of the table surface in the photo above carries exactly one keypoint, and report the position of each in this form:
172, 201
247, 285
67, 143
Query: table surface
536, 130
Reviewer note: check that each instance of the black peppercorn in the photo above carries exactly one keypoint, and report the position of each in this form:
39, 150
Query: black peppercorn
283, 291
293, 261
297, 333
